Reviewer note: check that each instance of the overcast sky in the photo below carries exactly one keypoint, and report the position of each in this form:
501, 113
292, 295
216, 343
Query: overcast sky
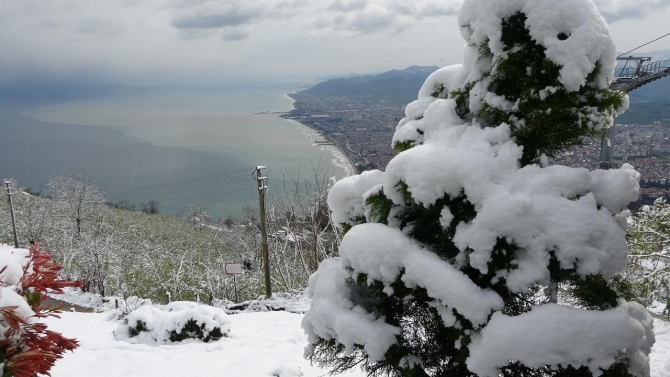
182, 41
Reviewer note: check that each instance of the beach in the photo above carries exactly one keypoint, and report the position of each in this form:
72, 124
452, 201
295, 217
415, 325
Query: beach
343, 165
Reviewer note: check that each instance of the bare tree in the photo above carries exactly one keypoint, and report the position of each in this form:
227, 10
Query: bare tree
32, 213
99, 248
197, 216
81, 196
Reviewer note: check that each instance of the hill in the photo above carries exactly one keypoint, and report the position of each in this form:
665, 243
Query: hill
395, 87
649, 104
647, 112
350, 75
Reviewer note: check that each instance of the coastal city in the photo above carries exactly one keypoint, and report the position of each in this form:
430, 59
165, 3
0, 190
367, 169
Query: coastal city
646, 147
363, 130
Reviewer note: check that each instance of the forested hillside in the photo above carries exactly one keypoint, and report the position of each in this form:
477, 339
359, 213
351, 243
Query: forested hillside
121, 252
396, 87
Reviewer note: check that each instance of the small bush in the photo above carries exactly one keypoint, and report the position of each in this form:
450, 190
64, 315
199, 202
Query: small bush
176, 322
140, 326
193, 330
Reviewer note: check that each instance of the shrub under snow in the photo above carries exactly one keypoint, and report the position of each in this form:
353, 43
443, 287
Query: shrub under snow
177, 321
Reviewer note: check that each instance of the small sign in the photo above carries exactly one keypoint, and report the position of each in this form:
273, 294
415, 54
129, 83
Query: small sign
233, 268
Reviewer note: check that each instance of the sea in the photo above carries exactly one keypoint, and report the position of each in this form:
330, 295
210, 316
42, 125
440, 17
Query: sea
182, 146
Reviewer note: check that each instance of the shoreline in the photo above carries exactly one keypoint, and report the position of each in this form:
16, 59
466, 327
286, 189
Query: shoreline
339, 158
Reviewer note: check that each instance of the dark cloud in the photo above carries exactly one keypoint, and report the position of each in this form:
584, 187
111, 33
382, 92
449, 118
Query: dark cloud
190, 34
290, 4
370, 16
210, 17
347, 5
233, 18
234, 35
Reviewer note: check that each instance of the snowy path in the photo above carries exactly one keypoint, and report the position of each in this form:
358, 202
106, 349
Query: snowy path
263, 345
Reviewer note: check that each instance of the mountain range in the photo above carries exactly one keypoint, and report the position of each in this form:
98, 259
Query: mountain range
649, 103
395, 87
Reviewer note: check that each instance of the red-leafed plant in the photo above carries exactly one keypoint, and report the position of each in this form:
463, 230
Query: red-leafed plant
27, 347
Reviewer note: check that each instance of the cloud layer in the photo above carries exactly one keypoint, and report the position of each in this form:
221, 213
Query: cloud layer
149, 40
352, 17
615, 10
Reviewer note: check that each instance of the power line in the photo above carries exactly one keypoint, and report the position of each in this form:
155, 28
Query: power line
627, 52
208, 196
185, 190
176, 182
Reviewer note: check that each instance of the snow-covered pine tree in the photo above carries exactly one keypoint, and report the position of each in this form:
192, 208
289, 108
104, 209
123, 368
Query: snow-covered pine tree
455, 256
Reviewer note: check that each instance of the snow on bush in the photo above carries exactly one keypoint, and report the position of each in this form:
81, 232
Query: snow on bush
472, 223
27, 346
381, 253
345, 196
573, 33
334, 315
12, 263
176, 322
558, 335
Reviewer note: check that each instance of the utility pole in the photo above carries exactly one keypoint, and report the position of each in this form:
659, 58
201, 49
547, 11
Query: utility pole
11, 211
262, 188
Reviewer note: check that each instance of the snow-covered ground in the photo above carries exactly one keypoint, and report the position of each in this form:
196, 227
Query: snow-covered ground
263, 344
660, 354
